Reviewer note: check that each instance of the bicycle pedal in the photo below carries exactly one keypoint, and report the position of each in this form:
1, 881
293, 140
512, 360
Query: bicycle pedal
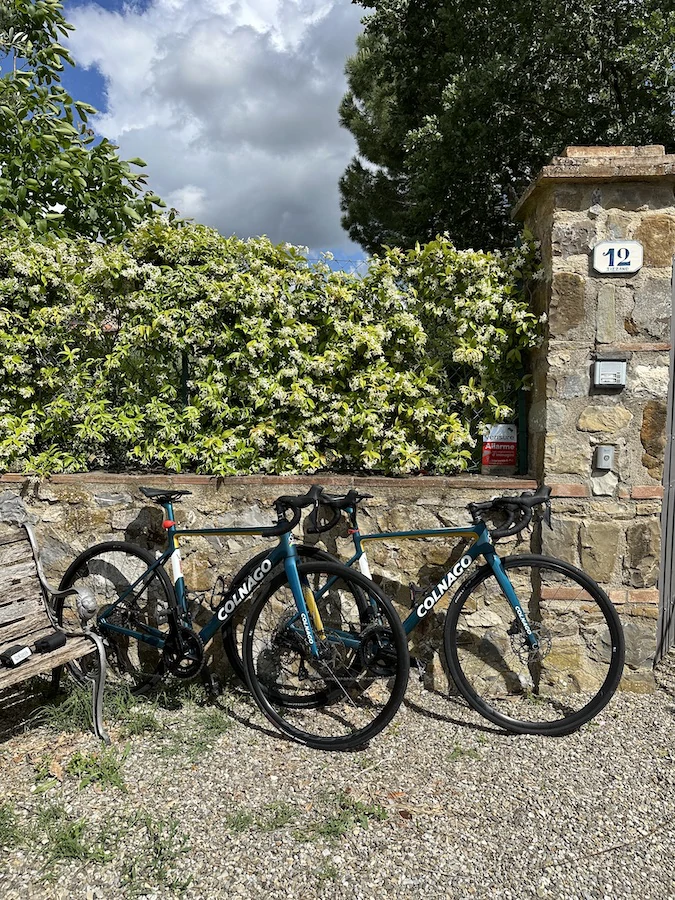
212, 685
419, 665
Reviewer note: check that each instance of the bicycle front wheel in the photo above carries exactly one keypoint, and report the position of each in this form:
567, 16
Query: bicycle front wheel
133, 599
574, 671
233, 630
344, 695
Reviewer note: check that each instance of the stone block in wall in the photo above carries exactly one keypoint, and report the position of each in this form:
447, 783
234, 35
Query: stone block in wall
572, 238
618, 225
604, 484
604, 418
112, 498
650, 379
636, 197
653, 437
199, 572
643, 546
605, 324
568, 302
651, 313
562, 540
12, 508
567, 455
600, 549
640, 645
656, 233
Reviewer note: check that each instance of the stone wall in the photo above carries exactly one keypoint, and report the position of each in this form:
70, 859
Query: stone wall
609, 521
71, 513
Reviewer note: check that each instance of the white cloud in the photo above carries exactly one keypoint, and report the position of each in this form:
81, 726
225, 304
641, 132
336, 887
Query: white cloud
233, 104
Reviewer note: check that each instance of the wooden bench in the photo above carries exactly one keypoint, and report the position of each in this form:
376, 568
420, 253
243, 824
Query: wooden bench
26, 616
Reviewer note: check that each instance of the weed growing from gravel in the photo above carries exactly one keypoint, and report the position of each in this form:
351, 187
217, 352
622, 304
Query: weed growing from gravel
458, 752
102, 767
275, 816
155, 862
272, 817
44, 779
348, 814
71, 710
239, 820
9, 828
65, 837
199, 737
329, 872
140, 721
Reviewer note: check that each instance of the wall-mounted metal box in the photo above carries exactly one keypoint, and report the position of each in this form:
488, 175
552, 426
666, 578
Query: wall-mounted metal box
609, 373
604, 457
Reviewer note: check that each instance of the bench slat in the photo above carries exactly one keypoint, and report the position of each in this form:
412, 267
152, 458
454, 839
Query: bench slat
13, 593
24, 632
15, 612
14, 553
19, 571
40, 663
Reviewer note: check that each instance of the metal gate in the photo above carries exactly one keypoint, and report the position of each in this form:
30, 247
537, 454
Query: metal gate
665, 635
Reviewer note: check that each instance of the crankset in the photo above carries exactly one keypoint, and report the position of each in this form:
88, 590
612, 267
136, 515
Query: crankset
184, 654
377, 653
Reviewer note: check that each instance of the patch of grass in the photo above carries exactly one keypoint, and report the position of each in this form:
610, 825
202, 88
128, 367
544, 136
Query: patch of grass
44, 779
69, 712
348, 814
275, 816
155, 863
458, 752
66, 837
198, 737
140, 721
270, 818
103, 767
10, 835
239, 820
329, 872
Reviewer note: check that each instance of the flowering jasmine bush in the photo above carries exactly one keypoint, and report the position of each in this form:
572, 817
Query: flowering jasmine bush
180, 349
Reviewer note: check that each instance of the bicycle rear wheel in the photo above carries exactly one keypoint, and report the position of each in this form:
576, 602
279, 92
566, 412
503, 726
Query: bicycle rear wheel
342, 698
565, 682
111, 571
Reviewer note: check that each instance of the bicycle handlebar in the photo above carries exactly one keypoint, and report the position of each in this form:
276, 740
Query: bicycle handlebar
518, 511
339, 504
296, 504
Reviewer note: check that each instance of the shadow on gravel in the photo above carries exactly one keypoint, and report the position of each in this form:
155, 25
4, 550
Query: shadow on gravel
21, 708
448, 719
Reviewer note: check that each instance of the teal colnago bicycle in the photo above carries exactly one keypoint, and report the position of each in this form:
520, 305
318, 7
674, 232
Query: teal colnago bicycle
338, 658
532, 643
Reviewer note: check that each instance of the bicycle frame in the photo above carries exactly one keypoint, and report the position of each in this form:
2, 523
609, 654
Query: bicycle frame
481, 545
284, 552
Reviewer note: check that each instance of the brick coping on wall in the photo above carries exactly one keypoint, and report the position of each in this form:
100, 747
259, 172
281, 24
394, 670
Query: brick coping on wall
443, 482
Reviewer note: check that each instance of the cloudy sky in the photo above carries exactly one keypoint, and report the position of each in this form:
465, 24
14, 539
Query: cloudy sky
232, 103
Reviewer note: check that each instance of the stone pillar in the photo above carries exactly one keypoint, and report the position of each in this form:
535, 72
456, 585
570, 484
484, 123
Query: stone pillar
608, 522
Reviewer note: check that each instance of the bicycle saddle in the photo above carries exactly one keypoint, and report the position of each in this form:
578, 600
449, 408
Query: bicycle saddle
157, 495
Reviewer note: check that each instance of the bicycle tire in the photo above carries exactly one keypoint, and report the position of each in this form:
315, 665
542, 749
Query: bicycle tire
107, 569
355, 690
232, 631
551, 691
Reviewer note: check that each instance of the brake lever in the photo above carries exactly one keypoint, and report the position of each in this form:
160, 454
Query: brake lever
546, 515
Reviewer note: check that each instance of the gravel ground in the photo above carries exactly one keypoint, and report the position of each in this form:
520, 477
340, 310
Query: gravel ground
205, 802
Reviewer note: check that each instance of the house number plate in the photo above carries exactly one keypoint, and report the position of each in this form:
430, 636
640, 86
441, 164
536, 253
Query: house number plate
615, 257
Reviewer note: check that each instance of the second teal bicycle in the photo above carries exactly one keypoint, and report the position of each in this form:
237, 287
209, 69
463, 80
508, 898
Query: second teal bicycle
531, 642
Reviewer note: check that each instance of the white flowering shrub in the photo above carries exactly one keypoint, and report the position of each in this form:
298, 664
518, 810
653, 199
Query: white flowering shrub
183, 350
